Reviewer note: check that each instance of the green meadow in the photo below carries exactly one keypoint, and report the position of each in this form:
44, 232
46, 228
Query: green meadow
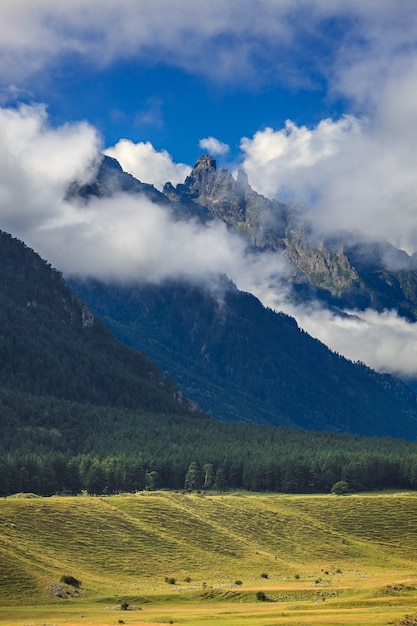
223, 559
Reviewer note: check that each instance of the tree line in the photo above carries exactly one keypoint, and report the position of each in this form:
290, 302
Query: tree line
51, 445
286, 472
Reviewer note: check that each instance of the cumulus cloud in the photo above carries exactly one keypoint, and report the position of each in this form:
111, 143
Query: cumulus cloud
238, 40
349, 173
147, 164
275, 160
122, 238
214, 146
357, 170
130, 238
37, 163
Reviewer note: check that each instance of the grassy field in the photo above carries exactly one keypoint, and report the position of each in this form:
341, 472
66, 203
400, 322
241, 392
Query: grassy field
200, 559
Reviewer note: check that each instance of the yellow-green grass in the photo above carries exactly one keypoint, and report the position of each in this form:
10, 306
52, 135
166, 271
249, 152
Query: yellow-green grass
328, 560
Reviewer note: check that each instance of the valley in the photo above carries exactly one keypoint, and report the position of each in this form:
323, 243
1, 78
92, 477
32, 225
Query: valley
208, 558
208, 313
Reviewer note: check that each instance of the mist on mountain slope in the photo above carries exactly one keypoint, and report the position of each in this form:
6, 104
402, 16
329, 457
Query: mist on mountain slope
127, 238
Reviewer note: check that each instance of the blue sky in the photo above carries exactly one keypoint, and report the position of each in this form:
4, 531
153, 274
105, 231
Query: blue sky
298, 93
175, 109
220, 72
316, 100
171, 108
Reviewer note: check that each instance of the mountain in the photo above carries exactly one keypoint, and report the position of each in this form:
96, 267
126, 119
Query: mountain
80, 411
51, 344
111, 179
345, 270
238, 360
243, 362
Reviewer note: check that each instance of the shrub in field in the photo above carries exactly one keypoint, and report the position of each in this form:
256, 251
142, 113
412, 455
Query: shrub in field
70, 580
408, 620
263, 575
261, 596
170, 580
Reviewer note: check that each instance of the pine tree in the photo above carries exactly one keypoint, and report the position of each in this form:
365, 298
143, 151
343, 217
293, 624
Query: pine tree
193, 477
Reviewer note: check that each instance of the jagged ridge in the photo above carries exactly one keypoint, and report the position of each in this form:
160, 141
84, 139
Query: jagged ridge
347, 270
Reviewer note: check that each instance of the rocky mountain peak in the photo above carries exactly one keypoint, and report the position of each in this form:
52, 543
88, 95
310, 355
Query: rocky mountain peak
242, 181
206, 162
345, 270
201, 178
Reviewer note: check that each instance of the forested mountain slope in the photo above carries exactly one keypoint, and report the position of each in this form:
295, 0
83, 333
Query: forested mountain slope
80, 411
51, 343
238, 360
244, 362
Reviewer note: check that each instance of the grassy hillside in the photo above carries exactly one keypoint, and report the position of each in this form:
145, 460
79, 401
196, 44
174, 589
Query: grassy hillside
356, 554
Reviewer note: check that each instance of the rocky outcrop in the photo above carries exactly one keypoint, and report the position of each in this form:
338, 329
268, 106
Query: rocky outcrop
109, 180
318, 265
345, 271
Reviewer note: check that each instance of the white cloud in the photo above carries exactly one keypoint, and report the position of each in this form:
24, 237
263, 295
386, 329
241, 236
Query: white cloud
279, 163
38, 33
123, 237
131, 238
37, 163
350, 173
214, 146
238, 40
384, 341
147, 164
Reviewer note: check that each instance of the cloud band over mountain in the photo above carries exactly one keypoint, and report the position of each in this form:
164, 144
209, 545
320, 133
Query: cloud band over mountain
352, 169
126, 238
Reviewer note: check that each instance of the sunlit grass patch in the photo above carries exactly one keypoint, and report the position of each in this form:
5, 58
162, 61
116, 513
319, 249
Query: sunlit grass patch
194, 559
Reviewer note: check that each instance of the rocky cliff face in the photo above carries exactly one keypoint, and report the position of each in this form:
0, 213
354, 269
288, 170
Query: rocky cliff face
234, 201
347, 271
110, 179
322, 268
343, 271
